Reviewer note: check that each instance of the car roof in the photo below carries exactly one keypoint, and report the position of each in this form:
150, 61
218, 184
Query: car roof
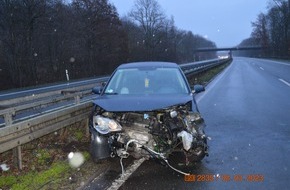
149, 64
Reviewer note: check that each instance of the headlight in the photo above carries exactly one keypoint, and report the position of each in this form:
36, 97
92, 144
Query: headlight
105, 125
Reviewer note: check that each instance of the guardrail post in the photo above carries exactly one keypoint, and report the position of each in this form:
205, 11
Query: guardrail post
77, 99
8, 118
17, 157
87, 127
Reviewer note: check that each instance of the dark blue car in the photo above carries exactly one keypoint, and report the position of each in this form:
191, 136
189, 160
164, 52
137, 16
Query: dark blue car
147, 109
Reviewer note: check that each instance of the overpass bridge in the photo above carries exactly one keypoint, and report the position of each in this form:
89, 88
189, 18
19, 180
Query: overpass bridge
229, 49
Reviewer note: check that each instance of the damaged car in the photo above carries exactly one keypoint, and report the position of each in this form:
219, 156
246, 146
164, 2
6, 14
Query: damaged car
147, 109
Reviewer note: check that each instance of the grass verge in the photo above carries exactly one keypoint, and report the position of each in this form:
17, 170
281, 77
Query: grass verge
205, 77
45, 162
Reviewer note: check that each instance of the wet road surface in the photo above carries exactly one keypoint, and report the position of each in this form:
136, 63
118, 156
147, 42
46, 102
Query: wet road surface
247, 111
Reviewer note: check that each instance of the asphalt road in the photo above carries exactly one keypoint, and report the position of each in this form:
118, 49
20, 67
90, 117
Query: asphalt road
247, 111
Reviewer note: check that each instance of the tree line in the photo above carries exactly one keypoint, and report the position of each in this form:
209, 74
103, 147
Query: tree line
41, 39
271, 30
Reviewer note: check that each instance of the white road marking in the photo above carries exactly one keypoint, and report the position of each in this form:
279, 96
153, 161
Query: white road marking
285, 82
128, 172
281, 63
210, 86
270, 61
262, 68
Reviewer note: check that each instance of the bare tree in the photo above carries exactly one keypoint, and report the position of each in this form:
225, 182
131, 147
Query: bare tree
278, 19
100, 33
18, 21
148, 15
260, 31
39, 39
272, 30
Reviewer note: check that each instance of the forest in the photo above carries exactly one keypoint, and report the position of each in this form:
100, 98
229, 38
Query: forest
42, 39
271, 30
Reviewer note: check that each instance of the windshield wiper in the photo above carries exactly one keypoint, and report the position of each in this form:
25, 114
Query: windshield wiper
111, 93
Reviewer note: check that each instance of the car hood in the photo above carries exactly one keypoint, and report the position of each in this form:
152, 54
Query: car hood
126, 103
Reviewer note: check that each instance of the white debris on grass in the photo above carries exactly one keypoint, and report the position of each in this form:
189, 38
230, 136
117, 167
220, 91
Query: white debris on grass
76, 159
4, 167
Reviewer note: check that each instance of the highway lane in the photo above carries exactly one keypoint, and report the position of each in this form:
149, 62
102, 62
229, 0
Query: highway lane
274, 69
246, 109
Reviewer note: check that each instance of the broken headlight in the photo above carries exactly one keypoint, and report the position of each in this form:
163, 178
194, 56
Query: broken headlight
105, 125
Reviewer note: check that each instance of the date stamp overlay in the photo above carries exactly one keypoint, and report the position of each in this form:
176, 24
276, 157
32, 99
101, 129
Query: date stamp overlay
224, 178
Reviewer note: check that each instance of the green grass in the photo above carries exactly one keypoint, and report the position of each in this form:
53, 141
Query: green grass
205, 77
36, 180
7, 181
46, 179
79, 135
43, 156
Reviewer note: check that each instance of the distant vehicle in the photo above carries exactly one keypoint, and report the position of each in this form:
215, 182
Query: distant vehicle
147, 109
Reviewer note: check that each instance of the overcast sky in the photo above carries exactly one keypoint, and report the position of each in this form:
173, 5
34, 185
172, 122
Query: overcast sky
225, 22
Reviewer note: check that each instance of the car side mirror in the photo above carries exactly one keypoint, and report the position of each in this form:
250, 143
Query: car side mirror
97, 89
198, 88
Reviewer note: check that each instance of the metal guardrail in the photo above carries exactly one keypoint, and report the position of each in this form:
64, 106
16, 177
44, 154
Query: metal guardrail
197, 67
13, 135
23, 132
9, 113
34, 94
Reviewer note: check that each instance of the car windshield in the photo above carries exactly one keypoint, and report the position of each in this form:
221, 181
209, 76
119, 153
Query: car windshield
147, 81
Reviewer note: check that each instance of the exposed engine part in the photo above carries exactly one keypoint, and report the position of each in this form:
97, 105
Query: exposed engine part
186, 139
152, 152
165, 160
194, 123
154, 134
122, 153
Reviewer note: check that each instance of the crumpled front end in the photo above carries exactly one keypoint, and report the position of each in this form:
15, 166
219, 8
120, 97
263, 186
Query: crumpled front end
154, 134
